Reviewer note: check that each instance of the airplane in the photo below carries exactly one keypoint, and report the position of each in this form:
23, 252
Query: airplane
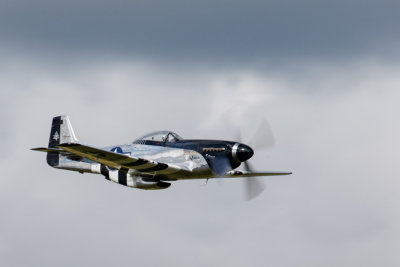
152, 161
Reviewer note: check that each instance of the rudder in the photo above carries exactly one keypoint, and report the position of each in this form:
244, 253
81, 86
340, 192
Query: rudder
61, 132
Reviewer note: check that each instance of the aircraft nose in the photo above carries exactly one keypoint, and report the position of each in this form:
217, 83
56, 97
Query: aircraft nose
244, 152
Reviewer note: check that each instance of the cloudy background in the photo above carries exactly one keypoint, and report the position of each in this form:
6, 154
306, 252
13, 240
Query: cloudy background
324, 73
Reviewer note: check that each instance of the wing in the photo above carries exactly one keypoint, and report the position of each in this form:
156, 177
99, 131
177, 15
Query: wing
118, 161
233, 174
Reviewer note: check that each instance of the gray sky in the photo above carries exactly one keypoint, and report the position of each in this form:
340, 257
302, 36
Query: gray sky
324, 74
232, 31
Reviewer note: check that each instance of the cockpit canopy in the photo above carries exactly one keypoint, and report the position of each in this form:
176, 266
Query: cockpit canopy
160, 136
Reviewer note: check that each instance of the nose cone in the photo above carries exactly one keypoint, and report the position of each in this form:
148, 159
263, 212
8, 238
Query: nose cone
244, 152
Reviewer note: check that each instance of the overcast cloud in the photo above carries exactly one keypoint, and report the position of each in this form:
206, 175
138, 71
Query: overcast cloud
231, 31
325, 75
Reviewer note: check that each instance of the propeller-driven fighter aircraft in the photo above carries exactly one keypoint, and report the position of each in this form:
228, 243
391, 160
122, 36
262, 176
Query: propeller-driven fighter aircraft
152, 161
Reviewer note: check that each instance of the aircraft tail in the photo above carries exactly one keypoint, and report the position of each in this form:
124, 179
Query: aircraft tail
61, 131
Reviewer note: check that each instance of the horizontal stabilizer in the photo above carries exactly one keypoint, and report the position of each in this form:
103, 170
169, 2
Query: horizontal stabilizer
48, 149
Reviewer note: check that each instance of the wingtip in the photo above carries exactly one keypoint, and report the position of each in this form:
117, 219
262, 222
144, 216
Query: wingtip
37, 148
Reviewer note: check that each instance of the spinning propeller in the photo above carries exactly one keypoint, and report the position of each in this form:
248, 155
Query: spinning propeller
240, 154
263, 138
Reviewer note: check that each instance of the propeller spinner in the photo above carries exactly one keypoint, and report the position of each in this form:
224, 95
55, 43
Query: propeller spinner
241, 152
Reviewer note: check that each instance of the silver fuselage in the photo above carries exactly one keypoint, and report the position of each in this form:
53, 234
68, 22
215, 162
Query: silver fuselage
184, 159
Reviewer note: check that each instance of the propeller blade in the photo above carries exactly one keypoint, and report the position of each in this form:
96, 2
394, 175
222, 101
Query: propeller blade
263, 137
247, 167
254, 186
238, 135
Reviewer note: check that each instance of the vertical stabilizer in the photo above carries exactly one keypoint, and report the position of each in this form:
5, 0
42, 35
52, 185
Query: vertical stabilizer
61, 132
